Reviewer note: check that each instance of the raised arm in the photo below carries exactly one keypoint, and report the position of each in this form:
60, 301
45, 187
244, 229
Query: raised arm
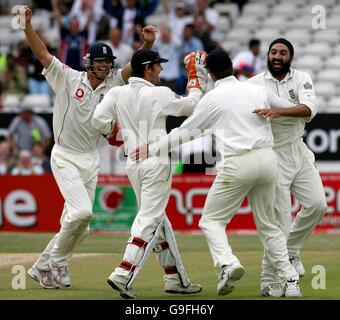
37, 45
149, 37
197, 80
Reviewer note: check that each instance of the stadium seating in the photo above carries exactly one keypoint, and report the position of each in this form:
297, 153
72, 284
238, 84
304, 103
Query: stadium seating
259, 10
309, 61
325, 89
38, 102
334, 105
321, 104
331, 75
320, 49
333, 62
229, 9
11, 103
316, 51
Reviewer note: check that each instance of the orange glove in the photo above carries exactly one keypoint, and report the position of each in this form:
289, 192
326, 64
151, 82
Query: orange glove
116, 137
197, 74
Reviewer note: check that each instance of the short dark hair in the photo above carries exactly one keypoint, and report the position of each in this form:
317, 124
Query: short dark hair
254, 42
219, 63
223, 73
190, 26
139, 72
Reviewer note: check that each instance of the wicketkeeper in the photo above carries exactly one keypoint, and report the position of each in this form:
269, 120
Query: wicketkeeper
141, 108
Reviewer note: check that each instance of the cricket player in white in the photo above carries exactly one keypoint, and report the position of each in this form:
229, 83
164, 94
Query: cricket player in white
298, 174
75, 156
248, 167
141, 109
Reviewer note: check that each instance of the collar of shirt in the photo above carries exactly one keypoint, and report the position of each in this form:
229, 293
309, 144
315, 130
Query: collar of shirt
86, 82
269, 76
227, 79
137, 80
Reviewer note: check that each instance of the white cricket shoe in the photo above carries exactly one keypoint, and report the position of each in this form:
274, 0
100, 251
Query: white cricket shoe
61, 275
174, 285
43, 277
273, 290
115, 284
293, 289
228, 275
297, 264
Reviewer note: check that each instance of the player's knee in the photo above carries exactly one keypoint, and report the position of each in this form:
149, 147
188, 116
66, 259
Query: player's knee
319, 207
85, 215
203, 225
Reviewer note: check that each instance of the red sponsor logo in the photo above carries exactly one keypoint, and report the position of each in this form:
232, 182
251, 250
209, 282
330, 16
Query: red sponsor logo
79, 94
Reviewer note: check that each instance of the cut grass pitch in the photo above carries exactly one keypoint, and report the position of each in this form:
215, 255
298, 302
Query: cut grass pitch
89, 272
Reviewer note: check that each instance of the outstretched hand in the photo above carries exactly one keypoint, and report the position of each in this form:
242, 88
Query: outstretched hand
141, 152
268, 114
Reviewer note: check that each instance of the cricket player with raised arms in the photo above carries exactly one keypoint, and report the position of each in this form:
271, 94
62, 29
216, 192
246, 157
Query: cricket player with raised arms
75, 156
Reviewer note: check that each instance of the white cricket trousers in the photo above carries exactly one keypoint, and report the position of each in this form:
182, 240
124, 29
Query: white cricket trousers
298, 176
252, 174
151, 182
76, 175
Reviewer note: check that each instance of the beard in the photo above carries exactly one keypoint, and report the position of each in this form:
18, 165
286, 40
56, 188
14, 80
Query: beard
280, 72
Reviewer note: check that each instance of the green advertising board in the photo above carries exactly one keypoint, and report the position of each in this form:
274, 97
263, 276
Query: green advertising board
114, 207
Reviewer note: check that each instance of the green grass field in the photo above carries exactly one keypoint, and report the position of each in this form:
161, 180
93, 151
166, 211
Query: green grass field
89, 272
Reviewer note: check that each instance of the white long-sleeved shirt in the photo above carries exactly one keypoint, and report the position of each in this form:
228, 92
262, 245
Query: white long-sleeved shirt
297, 88
141, 109
228, 111
74, 105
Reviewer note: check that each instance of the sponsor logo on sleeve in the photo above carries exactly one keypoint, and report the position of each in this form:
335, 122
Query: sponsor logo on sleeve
308, 86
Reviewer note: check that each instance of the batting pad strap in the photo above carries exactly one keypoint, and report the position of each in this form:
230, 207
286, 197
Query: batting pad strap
138, 242
127, 266
170, 270
161, 247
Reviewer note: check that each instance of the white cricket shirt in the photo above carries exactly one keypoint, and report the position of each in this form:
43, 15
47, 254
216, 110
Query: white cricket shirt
296, 87
227, 110
74, 106
141, 109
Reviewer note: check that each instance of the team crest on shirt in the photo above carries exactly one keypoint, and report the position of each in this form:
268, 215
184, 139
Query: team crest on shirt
307, 86
292, 94
79, 95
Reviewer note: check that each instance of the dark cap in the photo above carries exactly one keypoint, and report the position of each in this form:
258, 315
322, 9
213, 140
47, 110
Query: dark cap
145, 56
218, 60
100, 50
285, 42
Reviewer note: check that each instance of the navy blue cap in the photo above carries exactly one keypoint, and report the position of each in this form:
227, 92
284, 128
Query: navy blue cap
100, 50
145, 56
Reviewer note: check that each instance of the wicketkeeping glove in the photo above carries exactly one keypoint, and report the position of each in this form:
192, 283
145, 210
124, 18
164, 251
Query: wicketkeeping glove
115, 138
197, 73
